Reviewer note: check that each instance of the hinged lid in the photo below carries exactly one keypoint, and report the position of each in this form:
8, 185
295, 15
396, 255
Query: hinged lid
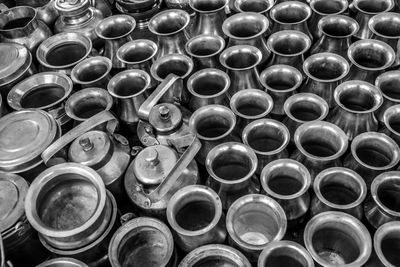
153, 164
19, 56
24, 135
165, 117
71, 7
13, 190
90, 148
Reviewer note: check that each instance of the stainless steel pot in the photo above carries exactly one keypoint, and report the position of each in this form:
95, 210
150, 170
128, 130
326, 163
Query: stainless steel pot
92, 72
387, 83
64, 262
257, 6
386, 243
285, 253
205, 50
391, 118
209, 17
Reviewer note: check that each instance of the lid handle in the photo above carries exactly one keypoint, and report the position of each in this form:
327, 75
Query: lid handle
182, 163
94, 121
152, 100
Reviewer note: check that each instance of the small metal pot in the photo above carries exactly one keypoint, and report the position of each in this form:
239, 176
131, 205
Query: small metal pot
386, 243
205, 50
285, 253
64, 262
257, 6
391, 118
387, 83
195, 215
92, 72
253, 221
209, 17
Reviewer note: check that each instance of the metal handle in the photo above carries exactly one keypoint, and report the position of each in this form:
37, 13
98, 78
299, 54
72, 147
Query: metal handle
152, 100
2, 254
96, 120
169, 181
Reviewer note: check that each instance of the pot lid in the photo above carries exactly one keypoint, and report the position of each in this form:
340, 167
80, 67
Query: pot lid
165, 117
13, 190
72, 7
90, 148
20, 57
24, 135
153, 164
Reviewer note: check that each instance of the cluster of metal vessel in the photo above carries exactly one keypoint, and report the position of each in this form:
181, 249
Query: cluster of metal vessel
195, 133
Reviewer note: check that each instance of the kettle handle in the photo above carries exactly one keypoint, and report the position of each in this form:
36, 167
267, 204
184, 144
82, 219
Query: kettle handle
182, 163
96, 120
152, 100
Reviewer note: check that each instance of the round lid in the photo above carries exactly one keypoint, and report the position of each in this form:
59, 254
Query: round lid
71, 7
20, 57
24, 135
165, 117
90, 148
13, 190
154, 163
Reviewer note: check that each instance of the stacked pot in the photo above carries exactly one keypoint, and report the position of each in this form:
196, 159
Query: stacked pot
199, 133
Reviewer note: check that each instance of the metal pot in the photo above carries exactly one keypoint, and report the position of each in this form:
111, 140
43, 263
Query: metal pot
335, 238
92, 72
195, 215
156, 173
391, 119
231, 167
250, 105
263, 215
281, 82
386, 243
25, 134
22, 67
61, 52
47, 12
20, 25
205, 50
215, 254
301, 108
387, 83
46, 91
64, 262
257, 6
339, 189
268, 138
142, 241
209, 17
287, 181
285, 253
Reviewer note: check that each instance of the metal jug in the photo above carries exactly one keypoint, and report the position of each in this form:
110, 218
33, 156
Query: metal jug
337, 238
263, 215
339, 189
107, 153
205, 50
195, 216
286, 253
241, 62
386, 240
287, 181
231, 167
336, 35
157, 172
115, 31
92, 72
356, 102
301, 108
21, 25
387, 83
46, 91
209, 16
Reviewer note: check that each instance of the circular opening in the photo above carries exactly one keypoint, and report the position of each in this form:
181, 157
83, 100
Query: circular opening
114, 28
370, 57
129, 86
267, 138
252, 107
289, 46
138, 54
357, 99
285, 256
281, 80
321, 143
93, 73
169, 22
213, 127
196, 214
245, 27
66, 54
375, 153
257, 6
231, 165
215, 261
325, 68
208, 85
144, 246
390, 247
285, 184
204, 47
373, 6
388, 27
16, 18
388, 193
339, 28
42, 96
390, 87
328, 7
256, 224
242, 60
394, 123
340, 189
291, 14
89, 106
336, 246
67, 202
179, 67
207, 6
305, 111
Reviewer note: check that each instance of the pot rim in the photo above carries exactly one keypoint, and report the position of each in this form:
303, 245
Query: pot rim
341, 17
191, 4
204, 36
275, 68
128, 45
306, 178
310, 97
204, 72
106, 61
345, 5
382, 77
387, 176
240, 17
45, 177
380, 233
270, 2
287, 4
169, 57
326, 56
390, 6
130, 19
17, 93
350, 174
393, 110
338, 217
10, 10
299, 34
372, 21
125, 75
251, 199
62, 260
246, 93
240, 49
179, 11
184, 192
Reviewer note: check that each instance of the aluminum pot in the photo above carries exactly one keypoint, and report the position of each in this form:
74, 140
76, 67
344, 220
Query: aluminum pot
21, 25
287, 181
61, 52
46, 91
337, 239
263, 215
92, 72
143, 241
209, 17
24, 135
64, 262
195, 215
339, 189
386, 243
215, 255
381, 206
205, 50
387, 83
285, 253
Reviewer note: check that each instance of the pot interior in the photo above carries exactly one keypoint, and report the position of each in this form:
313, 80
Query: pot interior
16, 18
87, 107
66, 54
232, 165
285, 183
42, 96
216, 260
390, 247
281, 79
177, 66
285, 256
267, 138
388, 193
209, 84
375, 153
372, 6
305, 111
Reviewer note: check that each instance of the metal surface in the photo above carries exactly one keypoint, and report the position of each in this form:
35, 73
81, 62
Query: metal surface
288, 253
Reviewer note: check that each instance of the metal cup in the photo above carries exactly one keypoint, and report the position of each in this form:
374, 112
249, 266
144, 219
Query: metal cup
92, 72
285, 253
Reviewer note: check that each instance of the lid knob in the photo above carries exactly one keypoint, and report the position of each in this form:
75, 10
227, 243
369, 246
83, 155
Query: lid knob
152, 156
86, 144
164, 112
